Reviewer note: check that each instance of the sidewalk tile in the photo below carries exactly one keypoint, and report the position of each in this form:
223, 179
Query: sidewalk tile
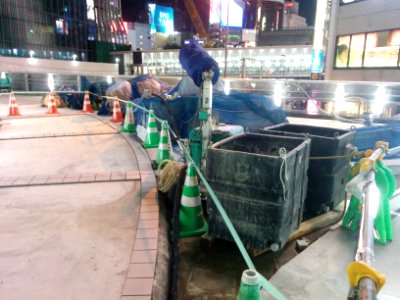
149, 202
116, 176
141, 270
149, 216
145, 244
149, 208
40, 179
105, 176
132, 175
148, 224
8, 181
56, 179
22, 180
72, 178
87, 177
143, 256
138, 286
135, 297
146, 233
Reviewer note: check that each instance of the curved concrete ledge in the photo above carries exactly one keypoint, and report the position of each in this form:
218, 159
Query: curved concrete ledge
147, 276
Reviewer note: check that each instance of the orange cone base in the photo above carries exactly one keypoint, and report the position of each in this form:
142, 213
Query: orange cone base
14, 113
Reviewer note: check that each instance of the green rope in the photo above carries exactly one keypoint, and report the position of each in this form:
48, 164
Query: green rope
264, 282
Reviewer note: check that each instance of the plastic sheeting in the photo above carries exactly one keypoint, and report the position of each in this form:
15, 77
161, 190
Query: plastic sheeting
195, 60
250, 110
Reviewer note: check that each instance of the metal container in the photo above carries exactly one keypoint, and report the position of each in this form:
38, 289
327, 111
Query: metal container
261, 181
326, 177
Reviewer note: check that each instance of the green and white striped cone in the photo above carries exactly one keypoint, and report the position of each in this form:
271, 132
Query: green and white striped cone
249, 286
129, 121
152, 135
164, 145
191, 219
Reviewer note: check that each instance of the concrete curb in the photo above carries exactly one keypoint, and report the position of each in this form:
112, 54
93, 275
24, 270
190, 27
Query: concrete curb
148, 273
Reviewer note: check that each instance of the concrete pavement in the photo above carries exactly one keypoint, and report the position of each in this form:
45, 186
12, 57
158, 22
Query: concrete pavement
64, 234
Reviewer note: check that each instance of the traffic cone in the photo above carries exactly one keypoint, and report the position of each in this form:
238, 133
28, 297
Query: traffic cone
249, 286
152, 135
117, 114
87, 106
164, 145
129, 122
191, 220
51, 105
103, 111
13, 106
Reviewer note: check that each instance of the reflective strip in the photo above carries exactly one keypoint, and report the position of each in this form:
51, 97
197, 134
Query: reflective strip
152, 129
190, 181
163, 147
190, 201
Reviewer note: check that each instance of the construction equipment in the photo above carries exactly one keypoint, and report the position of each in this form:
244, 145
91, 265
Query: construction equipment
366, 281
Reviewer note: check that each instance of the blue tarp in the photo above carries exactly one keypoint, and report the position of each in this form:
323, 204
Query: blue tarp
366, 137
250, 110
195, 60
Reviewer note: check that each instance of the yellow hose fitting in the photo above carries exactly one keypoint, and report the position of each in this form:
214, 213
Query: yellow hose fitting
366, 164
358, 270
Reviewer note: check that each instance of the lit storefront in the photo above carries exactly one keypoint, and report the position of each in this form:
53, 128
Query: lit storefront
368, 50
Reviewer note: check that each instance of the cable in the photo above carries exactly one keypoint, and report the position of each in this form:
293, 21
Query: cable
168, 171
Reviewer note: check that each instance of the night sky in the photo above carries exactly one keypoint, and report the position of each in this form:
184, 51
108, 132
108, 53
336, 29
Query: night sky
133, 10
307, 10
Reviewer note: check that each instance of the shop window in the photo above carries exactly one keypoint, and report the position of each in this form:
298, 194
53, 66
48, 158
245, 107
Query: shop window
342, 51
356, 50
379, 51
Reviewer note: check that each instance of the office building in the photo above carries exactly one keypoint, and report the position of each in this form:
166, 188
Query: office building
365, 40
84, 30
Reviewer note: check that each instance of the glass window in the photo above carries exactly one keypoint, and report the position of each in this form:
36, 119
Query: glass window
378, 50
356, 50
342, 51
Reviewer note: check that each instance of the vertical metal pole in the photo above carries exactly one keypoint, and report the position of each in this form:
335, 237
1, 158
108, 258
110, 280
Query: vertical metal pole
26, 79
226, 42
79, 82
330, 52
206, 124
365, 249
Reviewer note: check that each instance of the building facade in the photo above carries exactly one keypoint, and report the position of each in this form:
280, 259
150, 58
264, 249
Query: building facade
366, 41
61, 29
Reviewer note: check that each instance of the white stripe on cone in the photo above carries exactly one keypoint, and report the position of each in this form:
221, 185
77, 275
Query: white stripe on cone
190, 181
190, 201
153, 129
163, 147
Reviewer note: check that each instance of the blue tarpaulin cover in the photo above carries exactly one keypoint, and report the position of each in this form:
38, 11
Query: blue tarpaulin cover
195, 60
250, 110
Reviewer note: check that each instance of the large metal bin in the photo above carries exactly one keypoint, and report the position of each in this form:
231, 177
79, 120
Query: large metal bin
326, 177
262, 193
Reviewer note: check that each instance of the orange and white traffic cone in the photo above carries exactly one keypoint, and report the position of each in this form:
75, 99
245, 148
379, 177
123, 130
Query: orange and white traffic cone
87, 106
117, 114
51, 105
13, 106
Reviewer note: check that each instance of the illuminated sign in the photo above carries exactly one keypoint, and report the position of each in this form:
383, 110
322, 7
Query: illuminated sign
162, 18
317, 61
226, 13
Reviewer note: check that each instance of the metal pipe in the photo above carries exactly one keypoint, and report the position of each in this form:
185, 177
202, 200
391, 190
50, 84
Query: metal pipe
393, 150
378, 152
365, 250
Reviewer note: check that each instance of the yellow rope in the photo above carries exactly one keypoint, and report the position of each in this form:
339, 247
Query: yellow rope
168, 171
